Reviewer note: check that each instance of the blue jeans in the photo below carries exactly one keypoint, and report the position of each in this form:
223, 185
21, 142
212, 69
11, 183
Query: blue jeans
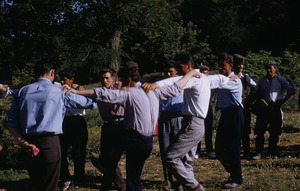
138, 149
181, 152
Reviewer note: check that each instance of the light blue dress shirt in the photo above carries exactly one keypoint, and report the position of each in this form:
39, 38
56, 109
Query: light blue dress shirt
40, 108
230, 94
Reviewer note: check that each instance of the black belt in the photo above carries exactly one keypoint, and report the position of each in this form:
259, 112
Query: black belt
115, 120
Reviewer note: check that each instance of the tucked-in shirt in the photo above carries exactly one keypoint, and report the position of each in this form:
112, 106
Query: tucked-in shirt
275, 90
230, 94
110, 111
197, 93
141, 109
172, 104
40, 107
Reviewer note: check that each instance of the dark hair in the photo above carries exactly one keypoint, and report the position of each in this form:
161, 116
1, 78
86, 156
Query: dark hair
131, 72
225, 57
184, 58
170, 64
238, 59
109, 70
68, 73
203, 68
42, 67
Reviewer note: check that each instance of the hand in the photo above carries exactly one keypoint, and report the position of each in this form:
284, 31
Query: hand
66, 87
3, 87
118, 84
264, 102
29, 149
232, 78
196, 73
149, 86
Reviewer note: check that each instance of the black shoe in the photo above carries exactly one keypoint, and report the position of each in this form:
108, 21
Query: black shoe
96, 163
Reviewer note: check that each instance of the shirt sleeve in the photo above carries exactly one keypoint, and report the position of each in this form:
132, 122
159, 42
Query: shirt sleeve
165, 92
217, 80
13, 114
251, 83
287, 86
168, 81
79, 102
232, 86
111, 95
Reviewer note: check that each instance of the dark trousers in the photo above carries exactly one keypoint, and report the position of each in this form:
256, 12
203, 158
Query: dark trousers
228, 141
270, 119
138, 149
112, 147
44, 168
208, 126
246, 130
169, 124
75, 134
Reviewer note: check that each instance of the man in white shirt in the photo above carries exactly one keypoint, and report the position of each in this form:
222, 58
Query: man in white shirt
181, 152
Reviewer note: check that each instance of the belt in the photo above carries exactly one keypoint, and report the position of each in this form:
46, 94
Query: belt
115, 120
193, 116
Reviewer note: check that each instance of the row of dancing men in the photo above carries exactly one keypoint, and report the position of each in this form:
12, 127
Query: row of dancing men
45, 116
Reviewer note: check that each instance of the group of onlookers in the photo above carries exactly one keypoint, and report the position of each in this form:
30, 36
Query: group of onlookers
47, 118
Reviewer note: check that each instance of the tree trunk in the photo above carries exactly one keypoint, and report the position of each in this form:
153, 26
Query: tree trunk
115, 64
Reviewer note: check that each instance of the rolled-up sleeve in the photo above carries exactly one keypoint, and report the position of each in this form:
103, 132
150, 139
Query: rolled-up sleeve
165, 92
111, 95
79, 102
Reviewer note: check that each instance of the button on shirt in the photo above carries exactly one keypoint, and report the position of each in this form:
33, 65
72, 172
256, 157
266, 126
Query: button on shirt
230, 94
275, 90
197, 93
141, 109
40, 108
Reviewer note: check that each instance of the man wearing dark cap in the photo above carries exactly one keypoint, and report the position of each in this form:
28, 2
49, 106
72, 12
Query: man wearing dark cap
270, 93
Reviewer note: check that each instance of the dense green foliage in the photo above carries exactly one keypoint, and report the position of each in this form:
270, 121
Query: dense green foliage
88, 35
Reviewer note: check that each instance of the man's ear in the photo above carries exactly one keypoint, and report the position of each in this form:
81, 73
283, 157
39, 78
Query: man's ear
72, 80
189, 65
52, 72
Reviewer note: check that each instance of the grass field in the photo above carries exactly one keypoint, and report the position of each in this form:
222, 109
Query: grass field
266, 174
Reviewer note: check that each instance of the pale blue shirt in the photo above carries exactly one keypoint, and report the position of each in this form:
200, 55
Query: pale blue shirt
40, 108
230, 94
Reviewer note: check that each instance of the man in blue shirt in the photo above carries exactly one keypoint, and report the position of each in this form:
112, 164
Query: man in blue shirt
35, 120
229, 132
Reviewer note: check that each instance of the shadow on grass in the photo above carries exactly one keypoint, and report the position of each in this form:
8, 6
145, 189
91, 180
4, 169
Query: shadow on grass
24, 184
290, 129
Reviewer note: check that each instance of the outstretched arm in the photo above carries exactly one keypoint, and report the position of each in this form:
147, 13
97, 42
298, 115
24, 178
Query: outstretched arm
181, 81
88, 93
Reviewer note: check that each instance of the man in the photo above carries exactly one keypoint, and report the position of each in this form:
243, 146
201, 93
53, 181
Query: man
238, 66
140, 117
75, 134
229, 132
35, 120
169, 122
112, 139
208, 125
181, 152
270, 93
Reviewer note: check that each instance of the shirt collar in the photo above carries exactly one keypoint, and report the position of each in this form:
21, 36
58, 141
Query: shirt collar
44, 79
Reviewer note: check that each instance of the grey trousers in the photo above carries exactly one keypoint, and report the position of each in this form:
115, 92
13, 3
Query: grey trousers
169, 125
181, 152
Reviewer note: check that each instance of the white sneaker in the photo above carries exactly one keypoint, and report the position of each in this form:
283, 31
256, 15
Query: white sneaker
257, 157
66, 185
